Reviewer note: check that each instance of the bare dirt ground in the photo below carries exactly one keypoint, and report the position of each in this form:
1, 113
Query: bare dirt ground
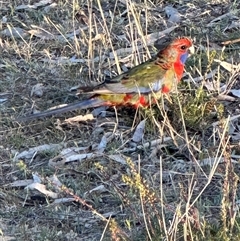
84, 178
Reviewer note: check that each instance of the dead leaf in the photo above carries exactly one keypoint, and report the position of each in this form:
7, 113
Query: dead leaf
42, 188
228, 66
32, 151
225, 97
34, 6
235, 92
172, 14
234, 24
139, 132
118, 158
229, 15
21, 183
42, 34
63, 200
107, 137
79, 118
37, 90
99, 189
15, 32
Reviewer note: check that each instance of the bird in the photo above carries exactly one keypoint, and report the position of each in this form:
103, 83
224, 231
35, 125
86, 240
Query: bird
140, 86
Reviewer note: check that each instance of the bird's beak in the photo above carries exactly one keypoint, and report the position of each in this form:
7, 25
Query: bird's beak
191, 50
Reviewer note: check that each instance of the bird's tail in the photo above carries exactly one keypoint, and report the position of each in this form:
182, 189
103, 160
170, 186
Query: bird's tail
90, 103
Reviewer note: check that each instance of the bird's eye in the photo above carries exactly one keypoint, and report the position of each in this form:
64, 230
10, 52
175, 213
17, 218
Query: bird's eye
183, 47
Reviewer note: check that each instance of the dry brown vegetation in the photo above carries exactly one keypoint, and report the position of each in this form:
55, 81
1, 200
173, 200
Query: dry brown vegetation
87, 180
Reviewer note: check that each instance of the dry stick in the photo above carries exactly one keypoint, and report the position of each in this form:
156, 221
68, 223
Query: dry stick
94, 211
109, 36
105, 229
216, 162
142, 205
161, 198
231, 41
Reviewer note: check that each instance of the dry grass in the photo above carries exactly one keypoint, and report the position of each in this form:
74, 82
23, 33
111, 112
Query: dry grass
182, 186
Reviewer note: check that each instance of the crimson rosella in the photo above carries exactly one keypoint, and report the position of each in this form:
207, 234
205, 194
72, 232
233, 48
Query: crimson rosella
139, 86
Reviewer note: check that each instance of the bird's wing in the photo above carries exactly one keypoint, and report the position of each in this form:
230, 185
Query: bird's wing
144, 78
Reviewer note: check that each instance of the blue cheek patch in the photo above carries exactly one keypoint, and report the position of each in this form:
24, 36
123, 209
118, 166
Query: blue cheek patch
183, 58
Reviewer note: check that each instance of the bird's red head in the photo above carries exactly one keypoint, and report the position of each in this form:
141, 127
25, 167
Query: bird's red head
177, 51
183, 46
